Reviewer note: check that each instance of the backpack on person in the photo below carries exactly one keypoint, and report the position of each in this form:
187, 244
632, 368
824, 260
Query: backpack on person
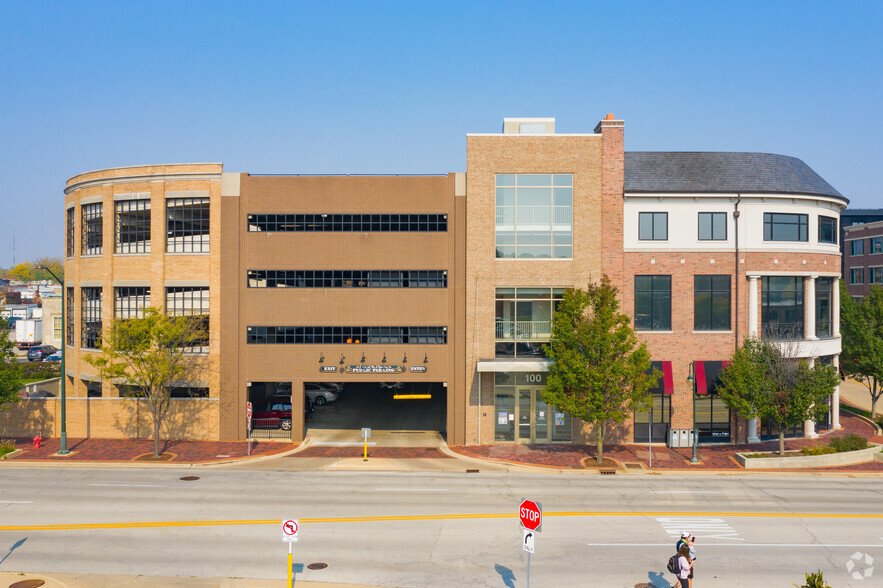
673, 566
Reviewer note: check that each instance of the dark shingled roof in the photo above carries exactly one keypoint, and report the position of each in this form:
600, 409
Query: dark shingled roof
665, 171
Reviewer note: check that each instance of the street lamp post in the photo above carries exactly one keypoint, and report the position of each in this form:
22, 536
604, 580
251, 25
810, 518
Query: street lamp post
692, 379
62, 450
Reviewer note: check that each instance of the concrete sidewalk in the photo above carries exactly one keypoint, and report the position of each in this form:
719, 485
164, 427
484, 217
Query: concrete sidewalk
53, 580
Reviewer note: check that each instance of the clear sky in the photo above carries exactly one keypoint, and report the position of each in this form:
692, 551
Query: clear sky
393, 87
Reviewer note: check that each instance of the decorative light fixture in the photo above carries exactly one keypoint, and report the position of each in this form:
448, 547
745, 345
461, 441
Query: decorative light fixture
425, 358
321, 357
363, 357
692, 379
405, 359
384, 358
342, 358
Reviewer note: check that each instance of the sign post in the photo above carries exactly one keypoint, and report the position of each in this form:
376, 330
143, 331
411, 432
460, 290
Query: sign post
530, 513
366, 433
290, 528
248, 424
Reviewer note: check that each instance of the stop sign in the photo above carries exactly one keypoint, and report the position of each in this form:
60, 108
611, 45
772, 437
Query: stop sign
531, 515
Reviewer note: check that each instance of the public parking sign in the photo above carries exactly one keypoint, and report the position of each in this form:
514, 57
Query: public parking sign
531, 514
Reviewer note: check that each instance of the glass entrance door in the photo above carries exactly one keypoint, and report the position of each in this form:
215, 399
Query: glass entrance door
533, 416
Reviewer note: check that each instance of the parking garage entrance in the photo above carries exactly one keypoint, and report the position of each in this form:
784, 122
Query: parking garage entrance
398, 413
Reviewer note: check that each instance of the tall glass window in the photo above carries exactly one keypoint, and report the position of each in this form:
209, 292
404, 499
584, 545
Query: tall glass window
192, 302
90, 313
827, 230
857, 247
652, 303
132, 226
653, 226
779, 226
823, 307
93, 229
876, 245
523, 320
653, 424
857, 275
782, 307
69, 317
534, 216
187, 225
712, 226
875, 275
711, 303
69, 232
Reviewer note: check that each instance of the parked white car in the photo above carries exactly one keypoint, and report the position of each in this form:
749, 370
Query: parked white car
320, 393
336, 386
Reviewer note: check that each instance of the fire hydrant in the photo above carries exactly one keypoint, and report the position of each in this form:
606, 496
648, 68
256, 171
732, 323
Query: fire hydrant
37, 441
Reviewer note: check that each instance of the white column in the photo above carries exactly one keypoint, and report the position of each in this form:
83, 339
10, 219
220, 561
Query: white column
752, 332
752, 306
835, 307
809, 298
835, 399
809, 427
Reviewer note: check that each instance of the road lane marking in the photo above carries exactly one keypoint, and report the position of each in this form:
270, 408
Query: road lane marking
731, 545
708, 527
17, 501
703, 492
130, 485
133, 525
411, 490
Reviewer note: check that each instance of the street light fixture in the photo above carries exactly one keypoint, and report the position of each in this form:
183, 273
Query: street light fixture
692, 379
62, 450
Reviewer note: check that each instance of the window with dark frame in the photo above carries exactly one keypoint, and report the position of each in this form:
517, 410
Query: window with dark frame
188, 392
187, 225
653, 226
782, 307
132, 226
310, 335
191, 302
92, 234
712, 226
824, 316
69, 232
69, 317
130, 301
857, 275
876, 245
90, 312
711, 303
827, 230
347, 278
533, 216
779, 226
875, 275
347, 223
658, 417
857, 247
523, 320
652, 303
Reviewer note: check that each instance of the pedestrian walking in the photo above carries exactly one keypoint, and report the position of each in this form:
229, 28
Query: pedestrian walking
685, 566
688, 540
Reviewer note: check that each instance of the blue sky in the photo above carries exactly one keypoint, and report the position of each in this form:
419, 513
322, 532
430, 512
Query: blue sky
393, 87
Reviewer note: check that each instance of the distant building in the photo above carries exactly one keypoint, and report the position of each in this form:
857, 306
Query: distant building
863, 258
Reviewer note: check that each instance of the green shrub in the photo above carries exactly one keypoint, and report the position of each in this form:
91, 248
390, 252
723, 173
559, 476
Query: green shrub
814, 580
41, 370
6, 446
849, 443
818, 450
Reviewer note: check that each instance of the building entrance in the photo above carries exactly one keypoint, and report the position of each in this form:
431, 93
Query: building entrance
521, 415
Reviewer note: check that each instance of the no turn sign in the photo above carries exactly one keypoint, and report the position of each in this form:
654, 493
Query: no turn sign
289, 530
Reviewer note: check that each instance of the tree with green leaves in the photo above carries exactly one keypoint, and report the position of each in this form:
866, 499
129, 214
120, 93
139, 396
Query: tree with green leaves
150, 353
764, 380
10, 370
861, 326
599, 372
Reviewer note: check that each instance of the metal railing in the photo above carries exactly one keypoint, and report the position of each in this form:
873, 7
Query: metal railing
268, 429
523, 330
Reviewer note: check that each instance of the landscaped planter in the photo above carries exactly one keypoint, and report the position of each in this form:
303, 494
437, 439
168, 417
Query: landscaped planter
878, 456
809, 461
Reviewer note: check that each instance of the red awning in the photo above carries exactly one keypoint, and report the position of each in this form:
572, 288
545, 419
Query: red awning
725, 364
668, 382
701, 386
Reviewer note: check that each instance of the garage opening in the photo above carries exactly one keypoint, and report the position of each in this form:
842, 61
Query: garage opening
390, 409
271, 410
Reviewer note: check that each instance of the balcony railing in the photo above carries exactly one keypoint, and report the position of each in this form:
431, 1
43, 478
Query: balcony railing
523, 330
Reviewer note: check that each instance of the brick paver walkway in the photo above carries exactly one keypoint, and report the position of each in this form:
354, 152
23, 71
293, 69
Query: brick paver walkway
124, 450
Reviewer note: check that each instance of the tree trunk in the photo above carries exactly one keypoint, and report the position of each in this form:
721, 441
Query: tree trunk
875, 394
599, 442
781, 442
156, 438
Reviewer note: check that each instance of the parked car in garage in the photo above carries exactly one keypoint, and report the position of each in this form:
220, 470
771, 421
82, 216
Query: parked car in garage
40, 352
320, 393
276, 413
391, 385
336, 386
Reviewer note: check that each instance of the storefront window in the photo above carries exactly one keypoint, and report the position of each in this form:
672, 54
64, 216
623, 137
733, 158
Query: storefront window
521, 414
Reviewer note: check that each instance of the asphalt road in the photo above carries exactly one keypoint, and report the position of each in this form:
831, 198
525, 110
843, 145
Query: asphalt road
411, 529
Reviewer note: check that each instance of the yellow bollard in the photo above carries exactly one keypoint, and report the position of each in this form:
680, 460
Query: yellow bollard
366, 449
289, 564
